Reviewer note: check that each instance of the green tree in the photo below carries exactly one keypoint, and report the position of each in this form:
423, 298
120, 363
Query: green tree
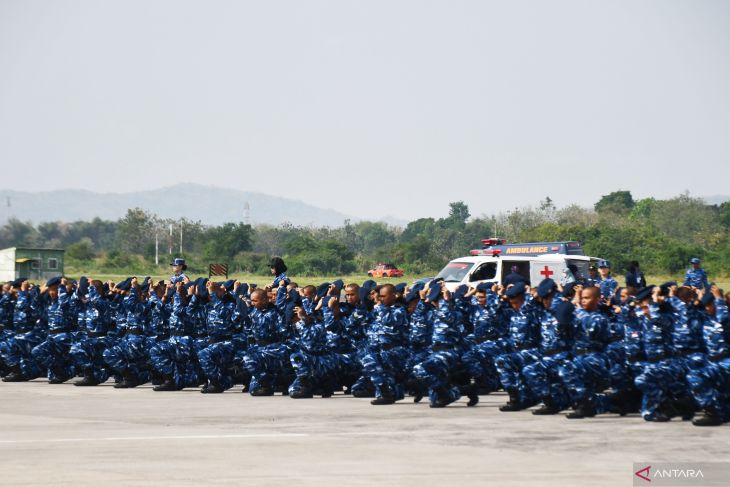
458, 214
16, 233
224, 242
135, 230
620, 202
724, 213
82, 250
643, 208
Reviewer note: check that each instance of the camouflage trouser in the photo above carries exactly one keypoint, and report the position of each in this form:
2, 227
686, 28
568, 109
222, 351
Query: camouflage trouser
543, 378
585, 377
316, 370
435, 371
709, 382
386, 369
130, 355
352, 370
53, 355
658, 382
619, 371
480, 362
510, 367
87, 354
265, 363
216, 362
176, 358
17, 350
416, 386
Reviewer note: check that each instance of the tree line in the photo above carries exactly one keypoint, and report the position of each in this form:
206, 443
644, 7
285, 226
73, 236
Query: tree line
661, 234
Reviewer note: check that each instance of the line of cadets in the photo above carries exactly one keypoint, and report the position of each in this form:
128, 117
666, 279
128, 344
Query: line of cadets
661, 351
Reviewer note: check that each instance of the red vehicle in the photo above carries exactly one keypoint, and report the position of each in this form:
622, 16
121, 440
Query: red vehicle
385, 270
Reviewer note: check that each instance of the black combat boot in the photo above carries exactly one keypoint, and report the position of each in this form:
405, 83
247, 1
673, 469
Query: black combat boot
513, 404
415, 390
304, 391
471, 391
658, 417
618, 403
328, 389
156, 378
128, 381
548, 407
59, 376
212, 387
88, 380
15, 375
386, 397
585, 409
366, 391
167, 385
263, 391
442, 398
685, 407
710, 418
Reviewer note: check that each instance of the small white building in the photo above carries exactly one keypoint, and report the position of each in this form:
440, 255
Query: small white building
35, 264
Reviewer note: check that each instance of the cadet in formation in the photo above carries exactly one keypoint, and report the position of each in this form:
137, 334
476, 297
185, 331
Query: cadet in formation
584, 346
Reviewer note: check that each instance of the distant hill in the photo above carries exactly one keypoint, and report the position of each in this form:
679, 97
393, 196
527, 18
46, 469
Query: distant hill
209, 204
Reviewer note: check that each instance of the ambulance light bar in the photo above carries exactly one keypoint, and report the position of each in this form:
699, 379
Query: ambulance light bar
493, 241
493, 253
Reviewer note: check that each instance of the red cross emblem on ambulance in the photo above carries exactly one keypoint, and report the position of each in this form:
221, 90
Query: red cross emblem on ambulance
547, 272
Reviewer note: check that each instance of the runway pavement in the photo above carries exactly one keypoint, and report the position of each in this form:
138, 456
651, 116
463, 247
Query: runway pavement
67, 435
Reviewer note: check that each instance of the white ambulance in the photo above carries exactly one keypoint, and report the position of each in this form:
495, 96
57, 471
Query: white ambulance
533, 261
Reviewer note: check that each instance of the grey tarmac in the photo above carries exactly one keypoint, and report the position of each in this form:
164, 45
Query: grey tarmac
70, 436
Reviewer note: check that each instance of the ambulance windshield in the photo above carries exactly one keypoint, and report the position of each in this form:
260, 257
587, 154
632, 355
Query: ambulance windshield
455, 271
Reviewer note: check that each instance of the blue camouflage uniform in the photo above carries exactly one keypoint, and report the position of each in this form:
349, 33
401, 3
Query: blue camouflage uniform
608, 286
342, 344
489, 340
523, 349
175, 358
7, 305
709, 376
626, 359
315, 365
696, 278
387, 355
267, 355
542, 376
159, 316
587, 375
661, 378
357, 320
279, 279
129, 355
29, 330
216, 359
53, 353
87, 350
445, 355
420, 334
175, 278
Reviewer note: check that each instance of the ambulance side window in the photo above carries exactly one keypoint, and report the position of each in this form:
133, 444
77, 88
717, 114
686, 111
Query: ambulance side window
485, 271
582, 267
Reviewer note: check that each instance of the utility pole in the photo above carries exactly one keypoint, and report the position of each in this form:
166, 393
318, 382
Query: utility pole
170, 241
181, 225
157, 247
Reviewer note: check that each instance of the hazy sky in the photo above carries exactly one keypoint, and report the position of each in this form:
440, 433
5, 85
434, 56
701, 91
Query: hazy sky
371, 107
